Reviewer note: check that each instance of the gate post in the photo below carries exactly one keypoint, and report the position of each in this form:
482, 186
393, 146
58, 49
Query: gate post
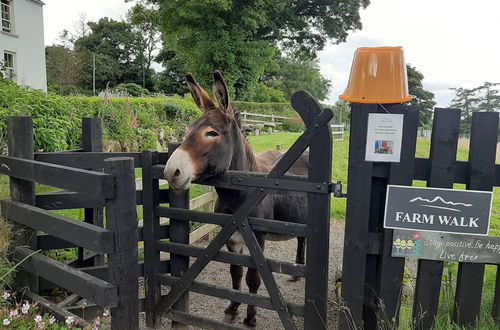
151, 233
318, 216
92, 142
179, 233
20, 144
121, 218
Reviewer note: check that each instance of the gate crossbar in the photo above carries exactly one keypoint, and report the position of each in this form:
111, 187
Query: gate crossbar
239, 221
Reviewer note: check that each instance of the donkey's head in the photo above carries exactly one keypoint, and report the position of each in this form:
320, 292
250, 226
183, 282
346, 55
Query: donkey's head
208, 147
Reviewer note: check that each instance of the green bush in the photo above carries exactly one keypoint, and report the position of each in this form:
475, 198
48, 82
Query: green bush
263, 93
293, 125
269, 108
57, 119
132, 89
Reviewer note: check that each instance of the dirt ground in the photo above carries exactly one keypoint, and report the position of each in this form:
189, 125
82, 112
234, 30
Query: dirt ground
218, 273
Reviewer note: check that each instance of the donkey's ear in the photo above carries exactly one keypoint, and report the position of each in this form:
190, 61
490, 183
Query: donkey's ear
200, 96
220, 92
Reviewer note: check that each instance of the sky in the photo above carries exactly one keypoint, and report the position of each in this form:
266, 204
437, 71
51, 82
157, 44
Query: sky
454, 43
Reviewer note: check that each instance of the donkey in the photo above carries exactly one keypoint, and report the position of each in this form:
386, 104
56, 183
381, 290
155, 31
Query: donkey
215, 143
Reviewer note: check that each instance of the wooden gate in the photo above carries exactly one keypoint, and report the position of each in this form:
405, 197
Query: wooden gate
372, 279
175, 304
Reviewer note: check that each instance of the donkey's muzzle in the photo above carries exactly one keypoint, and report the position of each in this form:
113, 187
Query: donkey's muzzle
179, 170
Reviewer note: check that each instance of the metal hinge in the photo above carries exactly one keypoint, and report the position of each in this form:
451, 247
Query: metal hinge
336, 189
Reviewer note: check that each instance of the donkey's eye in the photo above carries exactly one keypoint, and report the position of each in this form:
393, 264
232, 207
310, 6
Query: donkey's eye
211, 134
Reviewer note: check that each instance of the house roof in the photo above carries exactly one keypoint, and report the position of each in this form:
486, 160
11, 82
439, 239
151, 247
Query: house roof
38, 2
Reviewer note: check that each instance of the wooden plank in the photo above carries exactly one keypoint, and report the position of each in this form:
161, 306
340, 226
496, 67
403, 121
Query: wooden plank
84, 285
496, 299
91, 142
151, 234
267, 225
121, 218
200, 322
230, 294
276, 266
318, 215
63, 200
202, 200
357, 219
444, 142
80, 233
102, 272
86, 159
200, 232
179, 233
20, 144
482, 154
49, 307
64, 177
391, 270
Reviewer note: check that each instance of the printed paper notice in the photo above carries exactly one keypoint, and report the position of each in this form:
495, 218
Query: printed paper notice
383, 141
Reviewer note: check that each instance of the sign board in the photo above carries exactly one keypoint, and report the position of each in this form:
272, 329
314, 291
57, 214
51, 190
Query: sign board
446, 247
384, 136
441, 210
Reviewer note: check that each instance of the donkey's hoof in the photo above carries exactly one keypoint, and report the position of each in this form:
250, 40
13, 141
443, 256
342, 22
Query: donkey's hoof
293, 278
250, 322
230, 317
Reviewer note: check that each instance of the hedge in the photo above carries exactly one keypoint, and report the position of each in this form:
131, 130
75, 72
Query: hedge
134, 122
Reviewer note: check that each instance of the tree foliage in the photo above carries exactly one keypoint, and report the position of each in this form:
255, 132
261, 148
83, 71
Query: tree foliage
294, 73
240, 38
422, 98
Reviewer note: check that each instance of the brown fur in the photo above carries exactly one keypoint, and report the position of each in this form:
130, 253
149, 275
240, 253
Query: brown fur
215, 144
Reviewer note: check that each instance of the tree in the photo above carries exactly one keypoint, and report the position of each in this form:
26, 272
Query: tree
466, 100
118, 54
294, 73
172, 79
64, 66
145, 21
491, 99
422, 98
241, 37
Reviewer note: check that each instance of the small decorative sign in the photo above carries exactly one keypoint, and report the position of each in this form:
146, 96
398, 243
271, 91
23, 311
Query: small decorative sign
384, 135
446, 247
441, 210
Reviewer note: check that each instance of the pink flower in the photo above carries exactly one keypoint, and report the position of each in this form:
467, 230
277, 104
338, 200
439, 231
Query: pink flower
38, 319
6, 322
13, 313
6, 295
52, 319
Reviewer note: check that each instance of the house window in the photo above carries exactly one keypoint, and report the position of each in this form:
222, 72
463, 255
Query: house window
6, 7
9, 65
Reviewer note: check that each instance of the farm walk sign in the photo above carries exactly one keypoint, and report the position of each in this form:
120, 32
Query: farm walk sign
446, 247
438, 210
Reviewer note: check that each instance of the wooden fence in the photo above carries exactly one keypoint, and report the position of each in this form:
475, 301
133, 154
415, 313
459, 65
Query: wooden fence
338, 131
372, 279
260, 121
115, 189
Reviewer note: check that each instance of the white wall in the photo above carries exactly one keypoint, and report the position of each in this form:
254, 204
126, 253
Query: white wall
27, 43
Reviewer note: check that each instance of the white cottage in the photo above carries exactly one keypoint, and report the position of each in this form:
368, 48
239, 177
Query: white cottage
21, 42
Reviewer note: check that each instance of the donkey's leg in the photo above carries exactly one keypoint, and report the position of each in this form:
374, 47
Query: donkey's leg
300, 257
253, 281
231, 312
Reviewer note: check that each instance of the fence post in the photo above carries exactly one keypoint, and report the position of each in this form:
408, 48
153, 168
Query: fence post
318, 215
121, 218
179, 233
482, 153
92, 142
151, 233
20, 144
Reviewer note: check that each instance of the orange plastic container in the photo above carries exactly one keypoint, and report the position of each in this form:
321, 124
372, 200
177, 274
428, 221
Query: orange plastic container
378, 75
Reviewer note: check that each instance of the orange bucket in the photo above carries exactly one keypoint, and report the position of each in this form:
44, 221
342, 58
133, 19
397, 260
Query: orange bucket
378, 75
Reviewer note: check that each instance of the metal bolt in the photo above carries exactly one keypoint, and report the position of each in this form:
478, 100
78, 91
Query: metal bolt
318, 187
244, 224
261, 189
206, 256
281, 308
261, 265
240, 179
234, 222
316, 125
276, 183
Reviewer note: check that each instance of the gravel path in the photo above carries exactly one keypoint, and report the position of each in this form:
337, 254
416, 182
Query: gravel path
218, 273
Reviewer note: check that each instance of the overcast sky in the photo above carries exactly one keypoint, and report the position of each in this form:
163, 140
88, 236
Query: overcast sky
454, 43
